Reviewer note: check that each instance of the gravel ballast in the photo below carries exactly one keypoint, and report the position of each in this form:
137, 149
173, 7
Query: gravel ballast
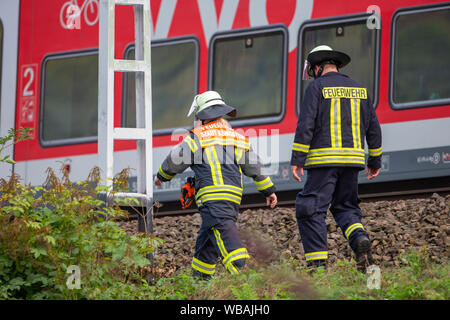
395, 227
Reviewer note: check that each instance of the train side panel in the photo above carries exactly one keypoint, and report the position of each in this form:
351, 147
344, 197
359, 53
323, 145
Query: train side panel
62, 65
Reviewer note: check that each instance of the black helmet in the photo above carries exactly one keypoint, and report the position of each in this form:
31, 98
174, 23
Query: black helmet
324, 54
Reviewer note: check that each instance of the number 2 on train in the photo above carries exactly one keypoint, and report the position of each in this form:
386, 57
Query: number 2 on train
28, 80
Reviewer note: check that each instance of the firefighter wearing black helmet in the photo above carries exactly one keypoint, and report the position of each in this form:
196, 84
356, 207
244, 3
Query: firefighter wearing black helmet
219, 156
336, 117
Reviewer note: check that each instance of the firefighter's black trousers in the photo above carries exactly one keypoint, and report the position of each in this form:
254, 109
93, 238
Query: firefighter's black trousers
325, 186
218, 237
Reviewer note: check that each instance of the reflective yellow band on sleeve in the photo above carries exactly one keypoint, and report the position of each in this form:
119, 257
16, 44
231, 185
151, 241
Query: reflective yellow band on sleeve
264, 184
375, 152
165, 175
300, 147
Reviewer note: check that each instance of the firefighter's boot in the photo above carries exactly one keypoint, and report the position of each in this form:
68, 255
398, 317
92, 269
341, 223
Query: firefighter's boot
363, 254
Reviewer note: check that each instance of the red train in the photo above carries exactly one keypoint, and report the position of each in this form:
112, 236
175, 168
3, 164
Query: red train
251, 51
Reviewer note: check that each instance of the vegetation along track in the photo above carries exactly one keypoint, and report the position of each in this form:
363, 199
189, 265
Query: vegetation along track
396, 225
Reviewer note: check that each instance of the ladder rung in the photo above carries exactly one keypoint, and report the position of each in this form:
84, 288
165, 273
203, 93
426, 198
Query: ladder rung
142, 198
130, 134
130, 2
129, 66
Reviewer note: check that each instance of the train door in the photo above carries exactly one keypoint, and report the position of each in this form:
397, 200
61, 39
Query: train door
9, 33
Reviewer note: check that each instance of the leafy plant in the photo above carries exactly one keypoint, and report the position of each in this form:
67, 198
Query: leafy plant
44, 230
14, 136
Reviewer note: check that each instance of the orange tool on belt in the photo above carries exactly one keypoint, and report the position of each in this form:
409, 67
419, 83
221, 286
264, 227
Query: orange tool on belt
187, 195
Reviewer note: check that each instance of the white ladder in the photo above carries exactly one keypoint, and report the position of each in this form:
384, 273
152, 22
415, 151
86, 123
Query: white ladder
142, 68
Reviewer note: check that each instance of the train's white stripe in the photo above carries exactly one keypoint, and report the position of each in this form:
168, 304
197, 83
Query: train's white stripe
271, 149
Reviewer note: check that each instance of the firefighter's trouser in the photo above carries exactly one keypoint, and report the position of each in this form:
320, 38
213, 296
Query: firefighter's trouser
218, 237
325, 186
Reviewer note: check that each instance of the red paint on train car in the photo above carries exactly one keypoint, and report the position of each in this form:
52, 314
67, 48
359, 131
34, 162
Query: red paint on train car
41, 34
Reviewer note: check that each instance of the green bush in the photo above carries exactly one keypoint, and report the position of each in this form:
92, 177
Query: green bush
43, 231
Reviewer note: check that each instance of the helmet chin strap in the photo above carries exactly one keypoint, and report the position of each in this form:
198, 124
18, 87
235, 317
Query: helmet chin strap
320, 71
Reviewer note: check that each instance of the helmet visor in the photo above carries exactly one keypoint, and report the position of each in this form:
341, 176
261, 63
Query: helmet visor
306, 72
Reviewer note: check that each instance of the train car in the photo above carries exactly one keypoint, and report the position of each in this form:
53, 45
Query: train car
251, 51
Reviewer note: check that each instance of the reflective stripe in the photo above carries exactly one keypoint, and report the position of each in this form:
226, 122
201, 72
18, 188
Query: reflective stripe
358, 126
219, 241
211, 163
202, 266
325, 160
240, 171
232, 269
356, 130
219, 192
335, 123
218, 166
335, 151
216, 189
165, 175
375, 152
332, 123
221, 141
222, 186
352, 228
220, 196
191, 143
238, 152
237, 254
264, 184
316, 255
300, 147
333, 155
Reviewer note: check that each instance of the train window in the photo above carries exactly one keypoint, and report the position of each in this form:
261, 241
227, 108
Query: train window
420, 63
248, 68
350, 35
174, 84
69, 99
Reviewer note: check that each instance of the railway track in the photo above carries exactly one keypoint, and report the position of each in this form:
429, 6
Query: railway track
398, 221
382, 191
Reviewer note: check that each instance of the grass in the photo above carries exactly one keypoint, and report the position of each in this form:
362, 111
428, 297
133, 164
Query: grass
415, 279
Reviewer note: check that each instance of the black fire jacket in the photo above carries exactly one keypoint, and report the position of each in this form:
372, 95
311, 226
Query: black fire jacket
336, 116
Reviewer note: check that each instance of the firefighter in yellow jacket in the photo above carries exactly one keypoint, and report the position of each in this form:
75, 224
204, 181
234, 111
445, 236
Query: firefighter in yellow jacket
219, 156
